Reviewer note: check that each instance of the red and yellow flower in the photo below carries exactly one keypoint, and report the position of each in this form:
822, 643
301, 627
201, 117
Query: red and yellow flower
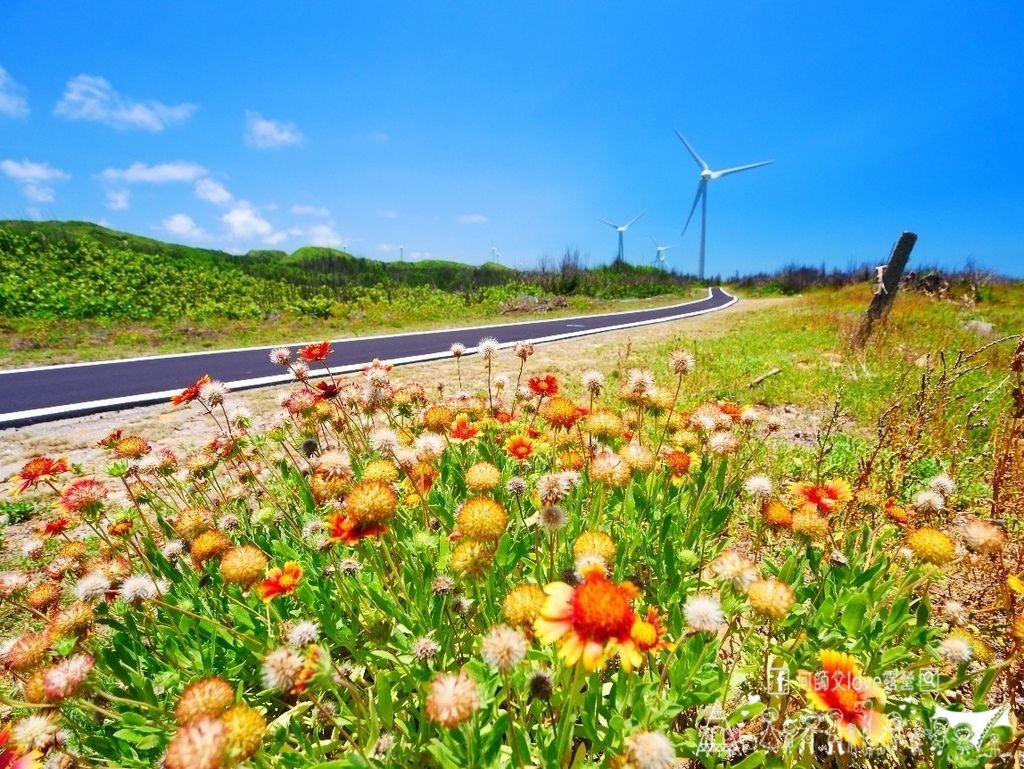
461, 429
594, 621
36, 471
12, 758
316, 351
344, 528
840, 689
821, 498
191, 392
281, 580
519, 446
543, 385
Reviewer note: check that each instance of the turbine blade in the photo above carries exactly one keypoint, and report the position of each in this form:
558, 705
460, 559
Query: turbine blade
608, 223
654, 242
700, 162
717, 174
696, 199
626, 226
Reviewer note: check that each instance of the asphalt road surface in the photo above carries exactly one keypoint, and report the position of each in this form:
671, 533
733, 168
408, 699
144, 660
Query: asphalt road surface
41, 394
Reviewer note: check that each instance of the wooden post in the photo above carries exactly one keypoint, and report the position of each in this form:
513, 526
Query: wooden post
888, 285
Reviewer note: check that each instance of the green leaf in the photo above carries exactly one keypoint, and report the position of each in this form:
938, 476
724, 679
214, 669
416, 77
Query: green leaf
853, 614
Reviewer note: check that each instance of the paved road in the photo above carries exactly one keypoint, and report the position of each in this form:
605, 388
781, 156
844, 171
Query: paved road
54, 392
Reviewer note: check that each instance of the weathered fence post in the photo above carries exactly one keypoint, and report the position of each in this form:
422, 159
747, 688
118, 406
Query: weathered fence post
888, 284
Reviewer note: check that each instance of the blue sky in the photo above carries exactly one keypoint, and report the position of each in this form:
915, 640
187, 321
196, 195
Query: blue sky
450, 128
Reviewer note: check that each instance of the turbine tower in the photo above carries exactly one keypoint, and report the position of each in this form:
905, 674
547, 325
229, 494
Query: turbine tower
707, 175
659, 257
622, 230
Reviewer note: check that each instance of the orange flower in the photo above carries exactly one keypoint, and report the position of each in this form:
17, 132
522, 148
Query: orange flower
646, 636
110, 441
11, 758
280, 581
36, 471
839, 688
519, 446
120, 528
462, 430
315, 352
55, 526
546, 385
561, 412
191, 392
823, 498
342, 528
678, 461
82, 494
592, 621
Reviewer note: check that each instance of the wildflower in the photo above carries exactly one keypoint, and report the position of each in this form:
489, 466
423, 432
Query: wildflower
209, 544
437, 418
723, 443
482, 518
482, 476
956, 649
172, 550
139, 587
28, 651
895, 512
200, 745
519, 446
384, 440
983, 537
708, 417
770, 598
931, 545
280, 581
92, 586
704, 614
452, 699
824, 498
43, 595
810, 525
561, 412
281, 669
522, 350
472, 558
32, 547
383, 745
304, 633
735, 569
191, 392
281, 356
192, 521
759, 487
35, 732
639, 383
522, 606
595, 543
457, 349
638, 457
442, 585
349, 566
245, 730
425, 648
647, 635
650, 750
942, 485
461, 429
928, 501
63, 679
212, 393
243, 565
334, 464
552, 518
516, 486
841, 690
371, 502
82, 495
503, 648
12, 582
678, 462
12, 758
315, 352
207, 696
488, 347
590, 621
610, 469
36, 471
546, 385
73, 618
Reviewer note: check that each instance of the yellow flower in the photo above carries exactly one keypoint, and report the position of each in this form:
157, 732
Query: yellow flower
483, 476
595, 543
777, 515
770, 597
472, 558
243, 565
246, 728
522, 606
380, 470
207, 696
931, 546
209, 544
482, 518
371, 502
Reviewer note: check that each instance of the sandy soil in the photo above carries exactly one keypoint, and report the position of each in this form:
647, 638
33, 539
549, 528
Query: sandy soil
186, 426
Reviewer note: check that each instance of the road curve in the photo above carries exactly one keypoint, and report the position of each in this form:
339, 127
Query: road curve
41, 394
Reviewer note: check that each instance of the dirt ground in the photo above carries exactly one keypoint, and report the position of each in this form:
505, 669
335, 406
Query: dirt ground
166, 426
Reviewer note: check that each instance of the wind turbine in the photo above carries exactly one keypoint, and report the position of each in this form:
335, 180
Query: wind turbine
495, 256
659, 258
622, 230
707, 175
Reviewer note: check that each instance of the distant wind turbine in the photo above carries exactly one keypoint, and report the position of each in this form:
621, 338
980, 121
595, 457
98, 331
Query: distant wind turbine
659, 258
622, 230
495, 256
707, 175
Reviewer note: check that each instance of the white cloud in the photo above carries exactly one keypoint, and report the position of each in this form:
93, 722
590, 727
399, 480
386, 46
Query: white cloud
33, 178
471, 219
244, 222
182, 226
213, 191
310, 210
178, 171
117, 200
265, 134
324, 235
277, 237
88, 97
388, 214
12, 103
